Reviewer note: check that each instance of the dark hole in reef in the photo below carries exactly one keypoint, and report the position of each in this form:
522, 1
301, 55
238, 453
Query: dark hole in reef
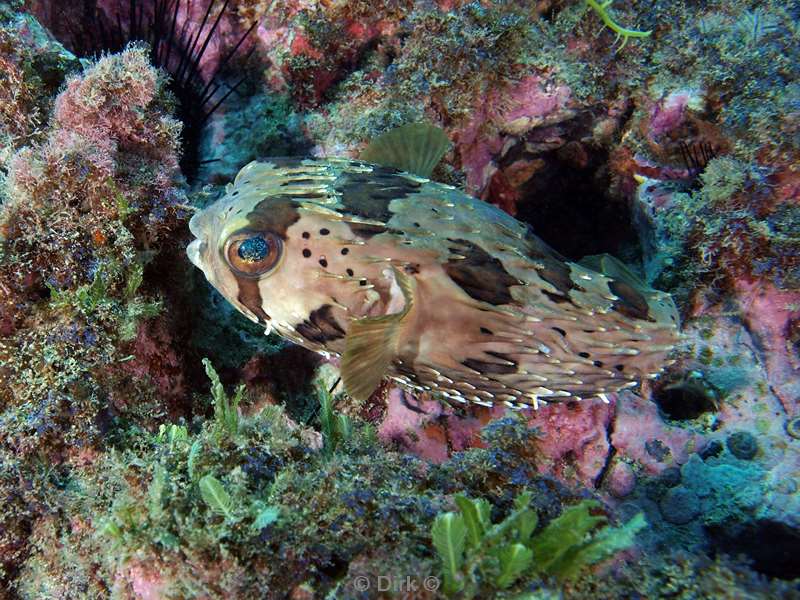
334, 567
566, 199
773, 547
684, 400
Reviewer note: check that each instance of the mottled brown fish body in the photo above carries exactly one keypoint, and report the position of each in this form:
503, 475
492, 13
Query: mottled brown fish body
474, 307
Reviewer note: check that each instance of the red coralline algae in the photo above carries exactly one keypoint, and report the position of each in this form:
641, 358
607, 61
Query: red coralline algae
668, 114
533, 102
769, 314
640, 434
573, 444
621, 480
426, 428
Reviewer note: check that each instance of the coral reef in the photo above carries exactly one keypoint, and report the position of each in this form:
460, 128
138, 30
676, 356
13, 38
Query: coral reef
150, 520
122, 475
88, 201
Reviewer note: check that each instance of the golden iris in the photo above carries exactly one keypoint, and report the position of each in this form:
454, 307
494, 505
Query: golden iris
252, 254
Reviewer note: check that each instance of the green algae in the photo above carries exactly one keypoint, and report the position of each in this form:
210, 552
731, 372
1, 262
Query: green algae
477, 555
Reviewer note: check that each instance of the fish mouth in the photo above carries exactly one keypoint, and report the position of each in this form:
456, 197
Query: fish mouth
194, 251
195, 226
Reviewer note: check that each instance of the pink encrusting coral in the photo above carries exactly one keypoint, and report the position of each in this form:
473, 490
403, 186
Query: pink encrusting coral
572, 443
536, 101
771, 315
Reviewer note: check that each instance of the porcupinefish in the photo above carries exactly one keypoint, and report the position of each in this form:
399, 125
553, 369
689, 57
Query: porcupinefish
408, 279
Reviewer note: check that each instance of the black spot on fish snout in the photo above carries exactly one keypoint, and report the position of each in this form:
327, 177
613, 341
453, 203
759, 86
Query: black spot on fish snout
306, 253
479, 274
493, 368
631, 303
321, 326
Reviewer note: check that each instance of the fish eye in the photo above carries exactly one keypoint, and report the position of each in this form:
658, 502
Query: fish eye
251, 253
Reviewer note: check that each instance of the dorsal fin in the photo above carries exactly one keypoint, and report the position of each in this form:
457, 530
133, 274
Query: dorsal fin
416, 148
660, 305
371, 345
613, 267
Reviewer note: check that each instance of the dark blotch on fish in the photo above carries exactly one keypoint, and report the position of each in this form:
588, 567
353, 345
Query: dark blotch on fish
491, 367
321, 326
306, 181
366, 231
250, 296
480, 275
557, 298
275, 214
368, 195
631, 303
557, 274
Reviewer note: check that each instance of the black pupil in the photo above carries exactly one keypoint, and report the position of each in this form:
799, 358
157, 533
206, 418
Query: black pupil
253, 249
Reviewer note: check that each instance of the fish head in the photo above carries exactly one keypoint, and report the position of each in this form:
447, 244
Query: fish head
256, 250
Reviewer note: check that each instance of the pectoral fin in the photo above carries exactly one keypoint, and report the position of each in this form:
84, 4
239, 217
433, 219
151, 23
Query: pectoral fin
371, 345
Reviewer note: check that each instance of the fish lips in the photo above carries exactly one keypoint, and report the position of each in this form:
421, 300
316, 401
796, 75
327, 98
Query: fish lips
195, 251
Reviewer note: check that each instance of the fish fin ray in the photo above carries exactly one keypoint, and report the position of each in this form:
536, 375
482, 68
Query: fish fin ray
371, 345
416, 148
660, 305
613, 267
